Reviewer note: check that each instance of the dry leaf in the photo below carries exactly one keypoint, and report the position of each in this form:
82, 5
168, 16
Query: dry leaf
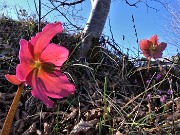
118, 133
83, 127
30, 130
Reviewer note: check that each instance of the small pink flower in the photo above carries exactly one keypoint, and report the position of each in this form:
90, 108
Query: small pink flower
170, 92
40, 63
148, 81
149, 97
152, 48
158, 76
163, 98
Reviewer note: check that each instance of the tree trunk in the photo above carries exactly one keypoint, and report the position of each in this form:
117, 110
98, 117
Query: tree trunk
95, 24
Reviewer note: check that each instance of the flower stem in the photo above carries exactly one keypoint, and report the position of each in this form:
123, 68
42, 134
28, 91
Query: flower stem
10, 116
149, 60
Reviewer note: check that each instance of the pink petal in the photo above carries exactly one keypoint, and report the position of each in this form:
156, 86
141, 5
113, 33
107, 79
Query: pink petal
57, 85
146, 54
161, 47
145, 44
38, 91
154, 39
26, 60
25, 53
42, 39
22, 70
156, 55
158, 50
45, 29
12, 79
54, 54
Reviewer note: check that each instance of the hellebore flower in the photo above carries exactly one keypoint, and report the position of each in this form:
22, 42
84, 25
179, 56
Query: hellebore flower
152, 48
40, 63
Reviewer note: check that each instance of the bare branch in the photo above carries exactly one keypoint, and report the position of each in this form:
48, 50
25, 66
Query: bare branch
50, 11
39, 16
146, 2
35, 5
134, 4
78, 28
68, 4
172, 24
164, 3
134, 26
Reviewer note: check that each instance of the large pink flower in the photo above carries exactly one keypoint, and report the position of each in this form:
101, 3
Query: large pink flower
152, 48
39, 66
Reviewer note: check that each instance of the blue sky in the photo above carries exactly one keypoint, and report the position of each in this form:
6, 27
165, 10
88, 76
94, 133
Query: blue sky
148, 22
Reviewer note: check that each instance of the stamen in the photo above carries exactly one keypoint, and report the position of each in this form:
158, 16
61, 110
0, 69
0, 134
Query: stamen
38, 64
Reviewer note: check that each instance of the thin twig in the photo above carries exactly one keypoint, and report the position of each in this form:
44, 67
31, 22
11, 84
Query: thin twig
39, 17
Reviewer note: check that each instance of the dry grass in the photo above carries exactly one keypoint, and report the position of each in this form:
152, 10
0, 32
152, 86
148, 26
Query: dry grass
113, 94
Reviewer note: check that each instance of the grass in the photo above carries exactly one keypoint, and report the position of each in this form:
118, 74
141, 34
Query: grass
57, 121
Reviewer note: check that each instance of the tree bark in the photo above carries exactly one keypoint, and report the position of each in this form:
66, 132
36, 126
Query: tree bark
95, 24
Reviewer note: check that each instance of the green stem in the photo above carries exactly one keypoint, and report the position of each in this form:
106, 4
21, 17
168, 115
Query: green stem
10, 116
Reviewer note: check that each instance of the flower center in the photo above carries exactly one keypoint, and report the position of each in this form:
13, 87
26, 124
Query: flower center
153, 48
38, 64
47, 67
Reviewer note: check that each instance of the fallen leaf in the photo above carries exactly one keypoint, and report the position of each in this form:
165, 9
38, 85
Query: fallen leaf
83, 127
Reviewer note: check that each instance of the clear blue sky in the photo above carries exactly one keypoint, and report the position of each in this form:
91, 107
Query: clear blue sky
148, 22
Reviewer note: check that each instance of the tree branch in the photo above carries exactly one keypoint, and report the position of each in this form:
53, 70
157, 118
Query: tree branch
68, 4
134, 4
78, 28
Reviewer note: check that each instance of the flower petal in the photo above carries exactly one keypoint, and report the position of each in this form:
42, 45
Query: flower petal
22, 70
38, 91
26, 60
158, 50
12, 79
160, 47
57, 84
146, 54
54, 54
25, 53
154, 39
42, 39
145, 44
155, 54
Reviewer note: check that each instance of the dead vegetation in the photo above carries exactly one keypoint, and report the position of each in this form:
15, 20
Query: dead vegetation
115, 95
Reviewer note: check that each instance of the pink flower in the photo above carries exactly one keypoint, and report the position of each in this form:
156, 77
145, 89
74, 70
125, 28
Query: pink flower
152, 48
163, 98
40, 63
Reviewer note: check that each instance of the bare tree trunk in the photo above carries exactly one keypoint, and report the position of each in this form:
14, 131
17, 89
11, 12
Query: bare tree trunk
95, 24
